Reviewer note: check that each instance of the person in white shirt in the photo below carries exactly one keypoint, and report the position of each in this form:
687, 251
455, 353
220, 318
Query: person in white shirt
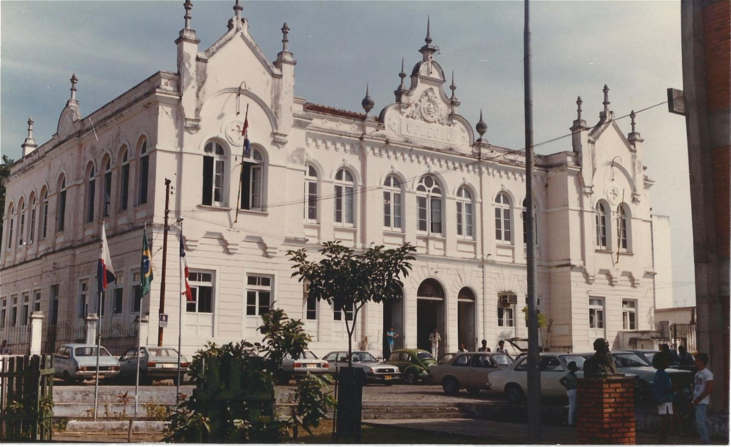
434, 338
462, 348
501, 347
702, 395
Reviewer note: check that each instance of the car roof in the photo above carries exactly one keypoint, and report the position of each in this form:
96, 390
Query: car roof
410, 351
79, 345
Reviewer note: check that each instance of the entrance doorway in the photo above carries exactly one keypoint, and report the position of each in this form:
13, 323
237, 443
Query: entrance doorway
429, 314
466, 318
393, 315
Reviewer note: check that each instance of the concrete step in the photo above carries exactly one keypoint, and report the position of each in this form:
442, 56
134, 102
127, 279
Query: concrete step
410, 415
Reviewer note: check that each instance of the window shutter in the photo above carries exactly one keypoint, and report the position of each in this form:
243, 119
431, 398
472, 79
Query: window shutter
246, 186
207, 181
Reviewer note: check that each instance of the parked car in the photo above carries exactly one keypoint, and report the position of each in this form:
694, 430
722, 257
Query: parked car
77, 362
299, 367
375, 371
413, 364
648, 354
468, 370
156, 363
513, 381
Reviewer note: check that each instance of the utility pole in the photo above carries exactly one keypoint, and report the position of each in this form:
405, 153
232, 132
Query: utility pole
534, 373
164, 259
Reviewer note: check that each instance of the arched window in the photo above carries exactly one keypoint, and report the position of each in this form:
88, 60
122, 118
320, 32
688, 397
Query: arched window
252, 181
464, 213
344, 190
11, 209
124, 181
143, 174
392, 203
21, 221
61, 205
623, 227
107, 188
429, 205
602, 226
90, 194
525, 222
44, 212
214, 175
32, 220
311, 181
503, 224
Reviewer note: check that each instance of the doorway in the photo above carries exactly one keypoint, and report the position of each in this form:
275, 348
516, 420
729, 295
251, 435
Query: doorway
393, 315
466, 318
430, 314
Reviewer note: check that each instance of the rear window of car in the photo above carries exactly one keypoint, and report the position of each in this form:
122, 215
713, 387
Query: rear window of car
91, 351
424, 356
628, 360
462, 360
163, 352
574, 358
503, 359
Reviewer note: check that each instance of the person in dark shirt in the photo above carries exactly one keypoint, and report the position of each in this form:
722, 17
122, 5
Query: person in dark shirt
569, 382
684, 356
662, 394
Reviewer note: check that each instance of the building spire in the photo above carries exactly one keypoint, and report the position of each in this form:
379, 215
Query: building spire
428, 50
606, 100
74, 80
400, 90
455, 102
285, 38
237, 10
188, 5
632, 116
428, 39
367, 102
578, 110
29, 144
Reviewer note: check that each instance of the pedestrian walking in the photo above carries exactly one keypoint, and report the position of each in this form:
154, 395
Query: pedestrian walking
702, 395
434, 338
391, 335
484, 347
569, 382
662, 394
4, 348
501, 347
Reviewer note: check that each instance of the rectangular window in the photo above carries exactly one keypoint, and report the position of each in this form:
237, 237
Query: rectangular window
118, 301
311, 200
82, 304
218, 182
25, 310
344, 204
124, 196
596, 313
14, 311
311, 306
258, 295
144, 171
107, 193
421, 217
53, 304
32, 230
36, 301
436, 215
506, 316
629, 315
136, 293
90, 201
10, 233
387, 209
201, 285
338, 312
61, 212
460, 230
256, 199
21, 228
392, 210
3, 311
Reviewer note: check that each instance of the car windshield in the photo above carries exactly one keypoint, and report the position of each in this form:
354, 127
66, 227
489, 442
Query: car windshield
365, 357
649, 356
574, 358
91, 351
503, 359
307, 355
425, 356
628, 360
162, 352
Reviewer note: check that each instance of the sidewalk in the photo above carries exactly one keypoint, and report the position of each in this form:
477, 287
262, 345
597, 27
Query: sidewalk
490, 432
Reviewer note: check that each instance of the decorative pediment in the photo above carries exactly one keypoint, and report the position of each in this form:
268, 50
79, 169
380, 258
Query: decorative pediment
427, 108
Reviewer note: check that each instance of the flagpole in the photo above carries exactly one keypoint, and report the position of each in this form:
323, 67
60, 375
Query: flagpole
241, 172
98, 344
139, 323
180, 318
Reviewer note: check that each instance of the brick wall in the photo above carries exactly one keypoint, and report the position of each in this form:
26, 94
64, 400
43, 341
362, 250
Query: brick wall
606, 411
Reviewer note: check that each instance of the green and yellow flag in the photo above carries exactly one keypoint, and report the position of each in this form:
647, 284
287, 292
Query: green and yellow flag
145, 265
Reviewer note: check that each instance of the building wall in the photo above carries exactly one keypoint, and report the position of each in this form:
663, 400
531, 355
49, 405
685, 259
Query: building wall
662, 260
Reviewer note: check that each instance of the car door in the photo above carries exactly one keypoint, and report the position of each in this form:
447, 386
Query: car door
480, 366
551, 372
460, 368
60, 361
128, 363
330, 359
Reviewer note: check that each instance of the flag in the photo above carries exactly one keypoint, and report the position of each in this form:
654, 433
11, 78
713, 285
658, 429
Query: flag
245, 133
184, 272
145, 265
104, 269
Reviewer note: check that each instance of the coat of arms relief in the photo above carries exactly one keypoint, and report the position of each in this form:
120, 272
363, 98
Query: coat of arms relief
427, 108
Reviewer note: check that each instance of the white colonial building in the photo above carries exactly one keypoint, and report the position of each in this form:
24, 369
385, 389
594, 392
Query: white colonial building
415, 172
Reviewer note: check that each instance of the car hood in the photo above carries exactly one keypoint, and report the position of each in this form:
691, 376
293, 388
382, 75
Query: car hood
91, 361
648, 372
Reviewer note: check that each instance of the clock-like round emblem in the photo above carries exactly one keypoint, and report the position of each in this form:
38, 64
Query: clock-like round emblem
430, 109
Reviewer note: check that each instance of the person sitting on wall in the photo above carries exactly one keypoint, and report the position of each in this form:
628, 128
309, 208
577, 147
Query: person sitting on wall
4, 348
601, 364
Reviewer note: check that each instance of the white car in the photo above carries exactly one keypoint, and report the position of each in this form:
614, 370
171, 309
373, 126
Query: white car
514, 380
300, 367
375, 371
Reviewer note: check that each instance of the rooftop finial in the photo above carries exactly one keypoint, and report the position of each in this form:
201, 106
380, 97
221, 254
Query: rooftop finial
453, 87
400, 90
237, 10
402, 75
367, 102
455, 102
285, 39
188, 5
606, 99
578, 103
29, 144
632, 116
74, 80
428, 39
481, 126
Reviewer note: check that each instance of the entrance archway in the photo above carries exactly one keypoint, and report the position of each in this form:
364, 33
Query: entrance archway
393, 315
466, 318
429, 313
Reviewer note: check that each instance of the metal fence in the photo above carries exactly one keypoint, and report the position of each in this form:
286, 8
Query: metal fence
18, 338
117, 338
685, 335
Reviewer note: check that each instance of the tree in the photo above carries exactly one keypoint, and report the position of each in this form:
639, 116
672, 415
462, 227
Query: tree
348, 280
544, 325
4, 174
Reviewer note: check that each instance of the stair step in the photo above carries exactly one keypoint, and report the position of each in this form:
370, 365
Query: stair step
450, 415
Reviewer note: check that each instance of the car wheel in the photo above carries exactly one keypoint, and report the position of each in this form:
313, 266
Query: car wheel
282, 377
514, 393
67, 377
145, 381
473, 391
410, 378
450, 386
175, 381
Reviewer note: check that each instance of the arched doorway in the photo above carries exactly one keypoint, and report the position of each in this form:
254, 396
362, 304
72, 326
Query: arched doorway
429, 313
466, 318
393, 315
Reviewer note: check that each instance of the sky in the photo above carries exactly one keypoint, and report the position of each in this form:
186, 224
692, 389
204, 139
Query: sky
578, 47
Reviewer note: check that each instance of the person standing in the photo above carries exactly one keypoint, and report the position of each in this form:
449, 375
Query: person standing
702, 395
4, 348
662, 394
501, 347
434, 338
686, 359
484, 347
462, 348
390, 337
569, 382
